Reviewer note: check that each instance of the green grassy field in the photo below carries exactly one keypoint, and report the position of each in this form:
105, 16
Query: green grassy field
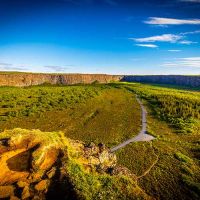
180, 108
175, 153
98, 113
167, 168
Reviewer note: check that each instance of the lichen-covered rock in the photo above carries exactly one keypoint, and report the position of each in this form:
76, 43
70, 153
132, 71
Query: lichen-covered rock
42, 185
6, 191
47, 165
14, 198
22, 184
51, 172
10, 167
26, 193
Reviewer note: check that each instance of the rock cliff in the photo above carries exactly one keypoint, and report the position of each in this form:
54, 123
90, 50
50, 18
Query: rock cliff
28, 79
190, 81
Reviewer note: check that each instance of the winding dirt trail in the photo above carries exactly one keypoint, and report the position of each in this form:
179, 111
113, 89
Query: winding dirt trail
142, 136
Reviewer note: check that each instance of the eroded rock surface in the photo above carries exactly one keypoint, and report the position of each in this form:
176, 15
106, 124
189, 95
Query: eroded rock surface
28, 79
38, 165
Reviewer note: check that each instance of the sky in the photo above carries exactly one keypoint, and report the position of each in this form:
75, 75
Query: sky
100, 36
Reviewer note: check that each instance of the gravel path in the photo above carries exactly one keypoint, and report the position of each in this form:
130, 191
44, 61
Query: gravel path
142, 136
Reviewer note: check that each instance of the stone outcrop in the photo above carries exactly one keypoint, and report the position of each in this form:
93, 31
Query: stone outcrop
47, 165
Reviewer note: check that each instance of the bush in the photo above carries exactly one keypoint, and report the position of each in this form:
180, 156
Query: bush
183, 158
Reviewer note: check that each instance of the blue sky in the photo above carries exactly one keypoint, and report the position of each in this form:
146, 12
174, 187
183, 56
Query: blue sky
100, 36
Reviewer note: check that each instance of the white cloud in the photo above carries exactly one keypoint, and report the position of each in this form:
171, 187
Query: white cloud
180, 38
12, 67
192, 1
174, 50
190, 32
55, 68
184, 62
171, 21
5, 65
192, 58
159, 38
147, 45
187, 42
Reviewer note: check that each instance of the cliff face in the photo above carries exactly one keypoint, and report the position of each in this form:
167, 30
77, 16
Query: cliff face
25, 79
191, 81
28, 79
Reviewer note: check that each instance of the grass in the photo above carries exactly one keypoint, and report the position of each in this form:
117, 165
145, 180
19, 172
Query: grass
183, 158
111, 114
180, 108
17, 102
98, 113
166, 179
178, 87
176, 175
92, 186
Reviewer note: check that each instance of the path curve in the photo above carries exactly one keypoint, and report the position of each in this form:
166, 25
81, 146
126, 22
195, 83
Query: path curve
142, 136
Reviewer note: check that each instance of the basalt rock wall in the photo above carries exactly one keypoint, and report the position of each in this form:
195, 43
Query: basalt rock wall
190, 81
28, 79
25, 79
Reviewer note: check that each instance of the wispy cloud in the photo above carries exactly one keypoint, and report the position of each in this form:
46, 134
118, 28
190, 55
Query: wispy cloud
5, 65
11, 67
171, 21
192, 1
190, 32
147, 45
180, 38
58, 68
174, 50
159, 38
184, 62
188, 42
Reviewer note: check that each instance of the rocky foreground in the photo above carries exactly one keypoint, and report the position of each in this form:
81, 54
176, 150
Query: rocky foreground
41, 165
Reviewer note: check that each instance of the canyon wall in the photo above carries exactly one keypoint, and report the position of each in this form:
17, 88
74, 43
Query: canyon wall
28, 79
189, 81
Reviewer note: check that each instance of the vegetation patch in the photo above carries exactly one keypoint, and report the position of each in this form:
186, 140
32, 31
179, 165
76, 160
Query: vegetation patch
180, 108
92, 113
166, 168
183, 158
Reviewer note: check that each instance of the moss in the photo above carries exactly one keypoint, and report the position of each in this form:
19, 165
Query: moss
94, 186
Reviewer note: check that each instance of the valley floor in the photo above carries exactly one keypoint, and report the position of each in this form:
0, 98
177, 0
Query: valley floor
166, 168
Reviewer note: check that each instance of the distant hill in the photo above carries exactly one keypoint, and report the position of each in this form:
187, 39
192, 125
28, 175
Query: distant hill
28, 79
